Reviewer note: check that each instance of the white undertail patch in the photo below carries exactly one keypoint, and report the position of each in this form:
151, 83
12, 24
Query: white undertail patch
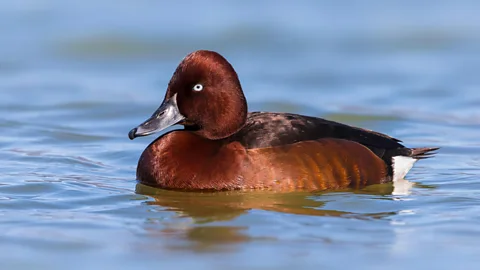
401, 165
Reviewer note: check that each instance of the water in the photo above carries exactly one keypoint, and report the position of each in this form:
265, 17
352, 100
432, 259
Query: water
75, 77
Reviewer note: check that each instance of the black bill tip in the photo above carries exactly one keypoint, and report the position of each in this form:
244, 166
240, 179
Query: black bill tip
132, 134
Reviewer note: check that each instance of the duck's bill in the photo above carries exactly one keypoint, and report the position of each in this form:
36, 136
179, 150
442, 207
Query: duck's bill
165, 116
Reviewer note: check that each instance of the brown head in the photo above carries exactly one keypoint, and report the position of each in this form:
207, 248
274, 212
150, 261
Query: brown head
204, 95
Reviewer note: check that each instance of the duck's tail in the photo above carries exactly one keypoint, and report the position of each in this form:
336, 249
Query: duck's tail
423, 152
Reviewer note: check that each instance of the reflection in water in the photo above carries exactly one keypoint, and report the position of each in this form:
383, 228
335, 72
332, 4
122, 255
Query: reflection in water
203, 215
206, 207
402, 187
205, 238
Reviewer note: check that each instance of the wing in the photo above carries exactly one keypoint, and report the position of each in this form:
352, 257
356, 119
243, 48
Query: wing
265, 129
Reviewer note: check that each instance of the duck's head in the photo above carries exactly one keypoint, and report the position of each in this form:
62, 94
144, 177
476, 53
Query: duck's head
205, 95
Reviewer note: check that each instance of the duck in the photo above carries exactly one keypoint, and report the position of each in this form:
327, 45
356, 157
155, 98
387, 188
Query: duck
224, 147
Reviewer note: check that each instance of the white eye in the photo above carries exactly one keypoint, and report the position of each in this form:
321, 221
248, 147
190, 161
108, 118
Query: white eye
198, 87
